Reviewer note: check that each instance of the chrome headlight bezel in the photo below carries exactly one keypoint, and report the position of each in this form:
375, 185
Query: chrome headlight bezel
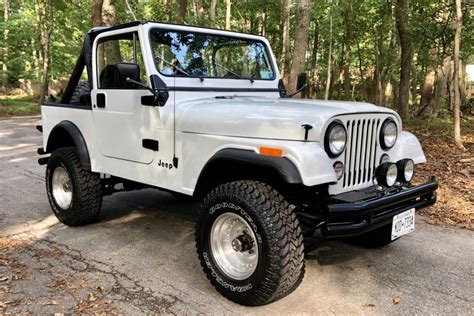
336, 132
388, 141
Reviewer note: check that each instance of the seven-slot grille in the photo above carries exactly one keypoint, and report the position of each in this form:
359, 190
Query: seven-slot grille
360, 158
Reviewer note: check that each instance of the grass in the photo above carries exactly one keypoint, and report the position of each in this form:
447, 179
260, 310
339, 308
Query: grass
18, 106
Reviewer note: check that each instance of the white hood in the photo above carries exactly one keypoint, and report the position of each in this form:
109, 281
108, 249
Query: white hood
264, 117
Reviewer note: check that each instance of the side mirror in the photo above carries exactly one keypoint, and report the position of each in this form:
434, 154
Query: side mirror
157, 84
300, 85
301, 82
160, 92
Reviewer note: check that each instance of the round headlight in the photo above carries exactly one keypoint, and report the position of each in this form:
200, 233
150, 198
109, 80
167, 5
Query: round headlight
386, 174
385, 158
335, 139
388, 134
338, 169
406, 169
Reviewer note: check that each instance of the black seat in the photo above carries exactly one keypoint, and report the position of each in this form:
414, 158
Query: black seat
114, 76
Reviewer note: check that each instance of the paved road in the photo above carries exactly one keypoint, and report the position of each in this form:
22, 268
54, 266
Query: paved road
140, 257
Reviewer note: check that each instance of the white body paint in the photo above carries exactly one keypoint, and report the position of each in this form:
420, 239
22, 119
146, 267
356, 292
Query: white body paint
205, 125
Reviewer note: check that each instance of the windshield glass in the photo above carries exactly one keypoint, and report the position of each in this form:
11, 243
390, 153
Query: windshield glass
202, 55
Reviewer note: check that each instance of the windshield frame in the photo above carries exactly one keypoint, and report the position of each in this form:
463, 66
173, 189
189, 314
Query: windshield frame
268, 52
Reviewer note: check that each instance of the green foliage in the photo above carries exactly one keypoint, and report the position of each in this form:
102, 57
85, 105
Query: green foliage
18, 106
364, 37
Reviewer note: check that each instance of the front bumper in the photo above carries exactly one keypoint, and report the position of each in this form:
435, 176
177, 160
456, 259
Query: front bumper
373, 209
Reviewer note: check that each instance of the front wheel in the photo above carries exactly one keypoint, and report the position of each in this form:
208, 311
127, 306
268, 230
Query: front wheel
75, 194
249, 243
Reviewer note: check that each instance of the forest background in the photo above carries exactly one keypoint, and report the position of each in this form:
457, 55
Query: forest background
415, 56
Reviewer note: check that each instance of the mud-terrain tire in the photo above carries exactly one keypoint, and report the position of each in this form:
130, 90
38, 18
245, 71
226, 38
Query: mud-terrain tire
277, 243
81, 89
74, 193
376, 238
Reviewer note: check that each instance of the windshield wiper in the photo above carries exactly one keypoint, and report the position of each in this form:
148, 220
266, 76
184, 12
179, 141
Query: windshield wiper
172, 65
234, 73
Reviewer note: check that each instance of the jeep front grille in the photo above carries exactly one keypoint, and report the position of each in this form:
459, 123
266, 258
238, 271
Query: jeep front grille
360, 159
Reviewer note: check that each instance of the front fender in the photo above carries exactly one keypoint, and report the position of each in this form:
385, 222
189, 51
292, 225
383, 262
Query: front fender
312, 162
301, 162
407, 146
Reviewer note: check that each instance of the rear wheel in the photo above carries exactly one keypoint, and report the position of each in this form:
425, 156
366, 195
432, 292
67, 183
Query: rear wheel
249, 242
74, 193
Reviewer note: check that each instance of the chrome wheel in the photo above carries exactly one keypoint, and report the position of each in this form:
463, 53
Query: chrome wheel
62, 187
233, 246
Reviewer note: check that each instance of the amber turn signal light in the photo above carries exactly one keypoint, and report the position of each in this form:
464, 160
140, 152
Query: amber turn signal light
268, 151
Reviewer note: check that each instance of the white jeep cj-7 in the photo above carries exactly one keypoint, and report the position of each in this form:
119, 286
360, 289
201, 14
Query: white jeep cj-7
203, 113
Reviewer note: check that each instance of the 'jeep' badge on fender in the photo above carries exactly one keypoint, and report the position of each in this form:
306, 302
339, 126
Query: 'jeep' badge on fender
166, 165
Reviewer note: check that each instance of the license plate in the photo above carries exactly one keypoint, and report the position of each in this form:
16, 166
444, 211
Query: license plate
403, 223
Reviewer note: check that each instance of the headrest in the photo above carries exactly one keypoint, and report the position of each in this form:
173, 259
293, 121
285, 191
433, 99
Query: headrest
114, 76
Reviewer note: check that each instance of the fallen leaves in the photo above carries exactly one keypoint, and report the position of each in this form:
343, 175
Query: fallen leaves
454, 170
94, 304
11, 244
91, 297
12, 303
12, 269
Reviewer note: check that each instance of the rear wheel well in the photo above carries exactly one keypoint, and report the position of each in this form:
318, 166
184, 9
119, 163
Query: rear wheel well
59, 138
67, 134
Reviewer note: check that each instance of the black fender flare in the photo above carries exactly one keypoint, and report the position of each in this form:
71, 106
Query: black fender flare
60, 136
284, 166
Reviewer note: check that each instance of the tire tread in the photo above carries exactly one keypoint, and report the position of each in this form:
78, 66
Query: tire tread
87, 198
286, 255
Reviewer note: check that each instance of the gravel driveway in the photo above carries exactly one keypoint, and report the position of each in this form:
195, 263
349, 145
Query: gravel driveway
140, 257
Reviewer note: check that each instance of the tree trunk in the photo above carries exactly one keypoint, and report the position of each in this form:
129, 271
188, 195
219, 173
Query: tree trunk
212, 13
457, 98
301, 42
328, 80
44, 12
96, 20
363, 84
263, 21
96, 14
198, 9
167, 4
109, 13
427, 91
228, 14
377, 77
129, 7
347, 51
181, 7
440, 90
414, 85
35, 58
313, 71
6, 10
285, 49
109, 18
463, 87
401, 12
46, 66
